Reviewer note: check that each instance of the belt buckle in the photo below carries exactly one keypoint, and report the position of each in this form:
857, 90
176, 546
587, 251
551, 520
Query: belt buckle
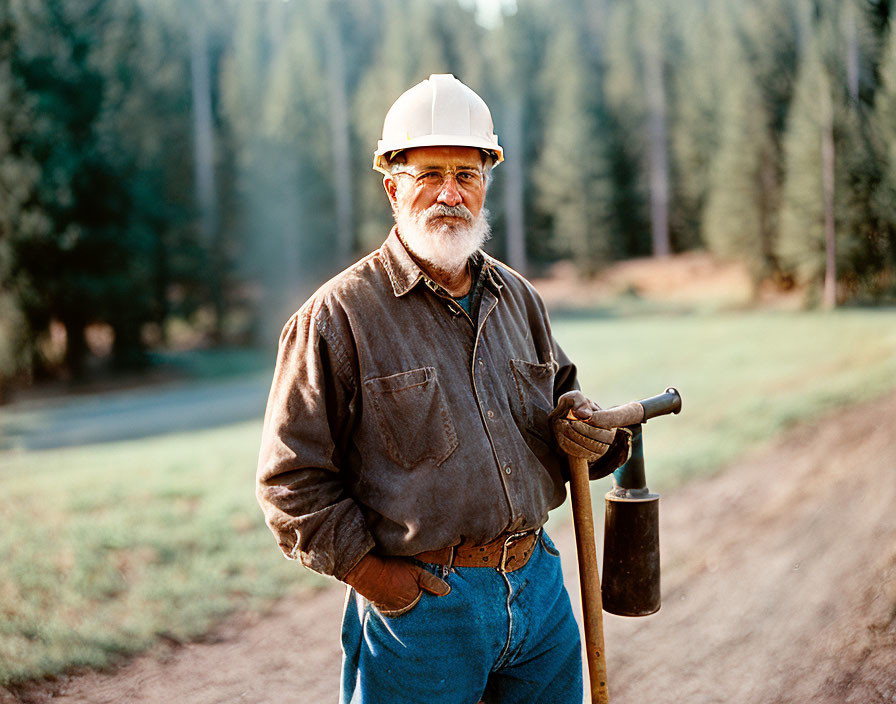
502, 567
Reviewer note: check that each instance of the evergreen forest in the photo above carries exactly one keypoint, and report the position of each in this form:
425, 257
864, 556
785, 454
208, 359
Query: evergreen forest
204, 164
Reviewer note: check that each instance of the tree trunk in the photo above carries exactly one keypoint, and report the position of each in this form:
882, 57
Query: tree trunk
75, 348
596, 20
204, 162
127, 351
852, 51
340, 131
829, 299
514, 186
657, 144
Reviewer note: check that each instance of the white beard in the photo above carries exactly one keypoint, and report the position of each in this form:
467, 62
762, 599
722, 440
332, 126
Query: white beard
444, 244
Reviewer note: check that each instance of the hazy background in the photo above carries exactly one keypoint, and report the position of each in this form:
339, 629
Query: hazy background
703, 190
181, 174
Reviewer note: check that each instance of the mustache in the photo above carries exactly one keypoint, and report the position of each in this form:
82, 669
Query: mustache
440, 210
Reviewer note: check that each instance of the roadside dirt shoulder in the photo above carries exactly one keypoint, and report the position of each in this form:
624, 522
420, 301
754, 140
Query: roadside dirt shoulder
779, 576
779, 585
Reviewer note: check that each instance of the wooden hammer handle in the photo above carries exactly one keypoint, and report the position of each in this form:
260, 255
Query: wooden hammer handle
589, 579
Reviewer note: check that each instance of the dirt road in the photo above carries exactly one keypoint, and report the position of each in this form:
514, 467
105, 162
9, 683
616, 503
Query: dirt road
779, 586
132, 413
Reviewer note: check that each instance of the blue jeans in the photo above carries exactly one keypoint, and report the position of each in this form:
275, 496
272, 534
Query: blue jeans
496, 637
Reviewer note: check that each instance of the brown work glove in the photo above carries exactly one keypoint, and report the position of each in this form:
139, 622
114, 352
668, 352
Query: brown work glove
394, 585
582, 430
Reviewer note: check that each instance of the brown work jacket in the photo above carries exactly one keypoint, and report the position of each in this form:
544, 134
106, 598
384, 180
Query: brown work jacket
397, 423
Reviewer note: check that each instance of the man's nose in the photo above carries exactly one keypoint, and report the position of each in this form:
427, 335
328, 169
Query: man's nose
448, 192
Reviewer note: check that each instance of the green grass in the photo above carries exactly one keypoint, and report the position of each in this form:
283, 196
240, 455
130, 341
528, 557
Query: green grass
105, 548
743, 377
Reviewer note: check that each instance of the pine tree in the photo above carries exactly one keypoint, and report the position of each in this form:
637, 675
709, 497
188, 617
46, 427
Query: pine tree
696, 84
154, 123
801, 243
342, 179
884, 194
89, 264
572, 177
653, 71
513, 55
636, 89
19, 219
737, 216
395, 65
830, 163
294, 178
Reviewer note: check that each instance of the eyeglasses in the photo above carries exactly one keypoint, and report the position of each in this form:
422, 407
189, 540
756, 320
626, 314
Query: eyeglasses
467, 177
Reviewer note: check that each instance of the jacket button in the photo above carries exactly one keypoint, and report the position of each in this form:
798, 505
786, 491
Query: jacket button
490, 414
507, 468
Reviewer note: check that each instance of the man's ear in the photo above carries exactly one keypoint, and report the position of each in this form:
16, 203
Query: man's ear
391, 188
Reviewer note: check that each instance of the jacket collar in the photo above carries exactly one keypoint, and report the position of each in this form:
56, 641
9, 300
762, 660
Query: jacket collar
404, 273
401, 267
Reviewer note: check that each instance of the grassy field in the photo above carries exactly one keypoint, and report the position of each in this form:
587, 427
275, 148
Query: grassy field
106, 548
743, 377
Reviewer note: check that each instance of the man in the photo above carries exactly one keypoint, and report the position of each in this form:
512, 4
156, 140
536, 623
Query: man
413, 435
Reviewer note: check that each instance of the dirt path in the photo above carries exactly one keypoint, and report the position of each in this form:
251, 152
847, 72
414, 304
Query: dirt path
779, 585
177, 406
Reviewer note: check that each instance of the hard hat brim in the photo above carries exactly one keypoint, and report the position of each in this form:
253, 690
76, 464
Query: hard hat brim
385, 151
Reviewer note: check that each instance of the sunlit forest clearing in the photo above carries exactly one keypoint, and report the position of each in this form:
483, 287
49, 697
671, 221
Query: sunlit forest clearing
181, 172
704, 191
161, 537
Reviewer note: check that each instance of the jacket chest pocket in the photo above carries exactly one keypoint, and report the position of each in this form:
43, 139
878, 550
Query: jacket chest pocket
412, 417
534, 385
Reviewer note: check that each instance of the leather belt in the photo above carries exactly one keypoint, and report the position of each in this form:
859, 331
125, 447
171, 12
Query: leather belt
506, 553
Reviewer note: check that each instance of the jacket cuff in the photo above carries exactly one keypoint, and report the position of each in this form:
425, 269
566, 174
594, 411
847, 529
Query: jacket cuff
335, 554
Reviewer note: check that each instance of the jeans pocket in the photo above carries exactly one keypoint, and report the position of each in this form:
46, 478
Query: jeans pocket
412, 417
548, 545
395, 613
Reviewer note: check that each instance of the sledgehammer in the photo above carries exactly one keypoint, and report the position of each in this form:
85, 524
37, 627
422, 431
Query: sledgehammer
629, 414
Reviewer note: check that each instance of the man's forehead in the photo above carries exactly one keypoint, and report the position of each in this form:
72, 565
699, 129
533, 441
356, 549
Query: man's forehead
443, 156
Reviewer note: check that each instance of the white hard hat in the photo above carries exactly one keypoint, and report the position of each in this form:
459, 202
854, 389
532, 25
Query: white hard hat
438, 112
